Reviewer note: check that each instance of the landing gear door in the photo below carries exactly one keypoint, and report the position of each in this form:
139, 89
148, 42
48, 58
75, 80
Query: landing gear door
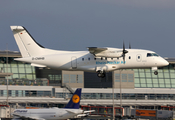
74, 62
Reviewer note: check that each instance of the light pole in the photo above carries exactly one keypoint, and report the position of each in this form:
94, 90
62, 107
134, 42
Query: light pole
120, 89
113, 98
7, 75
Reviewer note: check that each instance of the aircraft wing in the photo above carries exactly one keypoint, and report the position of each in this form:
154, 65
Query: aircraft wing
70, 111
105, 52
96, 50
82, 115
73, 111
26, 117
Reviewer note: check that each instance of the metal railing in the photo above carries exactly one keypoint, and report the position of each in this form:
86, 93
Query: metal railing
68, 88
26, 82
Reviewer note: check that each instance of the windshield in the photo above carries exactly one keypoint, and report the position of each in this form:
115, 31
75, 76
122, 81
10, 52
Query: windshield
152, 54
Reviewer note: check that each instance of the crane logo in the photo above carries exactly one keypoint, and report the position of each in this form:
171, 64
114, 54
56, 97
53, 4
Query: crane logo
75, 98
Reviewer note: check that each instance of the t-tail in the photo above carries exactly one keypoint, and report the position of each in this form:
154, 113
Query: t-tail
74, 102
26, 43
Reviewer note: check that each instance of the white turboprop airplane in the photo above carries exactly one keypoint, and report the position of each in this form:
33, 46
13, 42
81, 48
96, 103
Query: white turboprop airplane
71, 110
98, 60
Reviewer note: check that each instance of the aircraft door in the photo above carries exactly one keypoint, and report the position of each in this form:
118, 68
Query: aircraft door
74, 62
138, 57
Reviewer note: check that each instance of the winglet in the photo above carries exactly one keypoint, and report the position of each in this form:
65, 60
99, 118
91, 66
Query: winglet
74, 102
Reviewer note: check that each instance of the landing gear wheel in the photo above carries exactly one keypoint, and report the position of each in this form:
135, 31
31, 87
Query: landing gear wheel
100, 74
155, 73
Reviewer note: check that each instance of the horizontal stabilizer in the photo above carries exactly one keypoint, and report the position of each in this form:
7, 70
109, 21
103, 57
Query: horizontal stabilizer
14, 28
71, 111
89, 111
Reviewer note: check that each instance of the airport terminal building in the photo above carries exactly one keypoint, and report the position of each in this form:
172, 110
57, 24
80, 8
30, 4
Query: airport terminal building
44, 87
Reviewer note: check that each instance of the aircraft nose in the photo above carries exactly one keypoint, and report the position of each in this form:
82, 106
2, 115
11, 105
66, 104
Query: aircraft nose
165, 62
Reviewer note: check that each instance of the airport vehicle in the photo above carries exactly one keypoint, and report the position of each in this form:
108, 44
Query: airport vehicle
71, 110
100, 60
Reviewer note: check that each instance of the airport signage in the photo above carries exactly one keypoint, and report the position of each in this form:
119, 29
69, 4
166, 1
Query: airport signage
150, 113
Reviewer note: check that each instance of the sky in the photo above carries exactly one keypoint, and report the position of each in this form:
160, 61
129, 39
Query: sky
78, 24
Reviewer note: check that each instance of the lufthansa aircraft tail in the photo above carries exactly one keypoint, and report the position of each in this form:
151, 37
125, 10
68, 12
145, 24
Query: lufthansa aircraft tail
74, 102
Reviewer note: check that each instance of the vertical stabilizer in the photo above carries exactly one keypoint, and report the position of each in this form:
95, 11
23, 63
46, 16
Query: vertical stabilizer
74, 102
27, 45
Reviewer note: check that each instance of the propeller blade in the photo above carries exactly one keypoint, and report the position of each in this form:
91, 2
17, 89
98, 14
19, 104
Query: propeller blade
124, 52
123, 46
129, 45
124, 58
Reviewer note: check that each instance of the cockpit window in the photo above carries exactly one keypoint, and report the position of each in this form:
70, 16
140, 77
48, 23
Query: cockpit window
149, 54
152, 54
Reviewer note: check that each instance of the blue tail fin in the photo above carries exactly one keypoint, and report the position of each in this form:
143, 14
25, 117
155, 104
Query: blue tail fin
74, 102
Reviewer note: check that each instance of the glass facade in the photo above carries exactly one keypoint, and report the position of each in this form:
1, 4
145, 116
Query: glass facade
54, 76
72, 78
25, 93
145, 78
21, 71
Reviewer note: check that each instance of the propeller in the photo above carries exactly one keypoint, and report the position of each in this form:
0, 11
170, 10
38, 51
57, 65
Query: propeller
124, 52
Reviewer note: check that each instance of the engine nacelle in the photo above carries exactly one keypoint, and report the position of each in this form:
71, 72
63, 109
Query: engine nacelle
109, 54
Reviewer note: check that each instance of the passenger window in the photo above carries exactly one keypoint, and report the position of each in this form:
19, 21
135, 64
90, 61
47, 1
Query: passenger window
106, 58
129, 57
82, 59
101, 58
94, 58
111, 58
138, 57
88, 58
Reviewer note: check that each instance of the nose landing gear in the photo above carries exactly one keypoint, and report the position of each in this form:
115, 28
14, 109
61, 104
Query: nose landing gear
155, 72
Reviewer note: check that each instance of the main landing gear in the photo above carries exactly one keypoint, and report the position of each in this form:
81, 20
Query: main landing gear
100, 74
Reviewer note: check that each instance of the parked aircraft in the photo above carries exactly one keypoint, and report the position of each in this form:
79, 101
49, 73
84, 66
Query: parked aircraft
71, 110
99, 60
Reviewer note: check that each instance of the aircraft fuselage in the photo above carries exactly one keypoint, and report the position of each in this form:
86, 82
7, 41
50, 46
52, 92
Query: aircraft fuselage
85, 61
